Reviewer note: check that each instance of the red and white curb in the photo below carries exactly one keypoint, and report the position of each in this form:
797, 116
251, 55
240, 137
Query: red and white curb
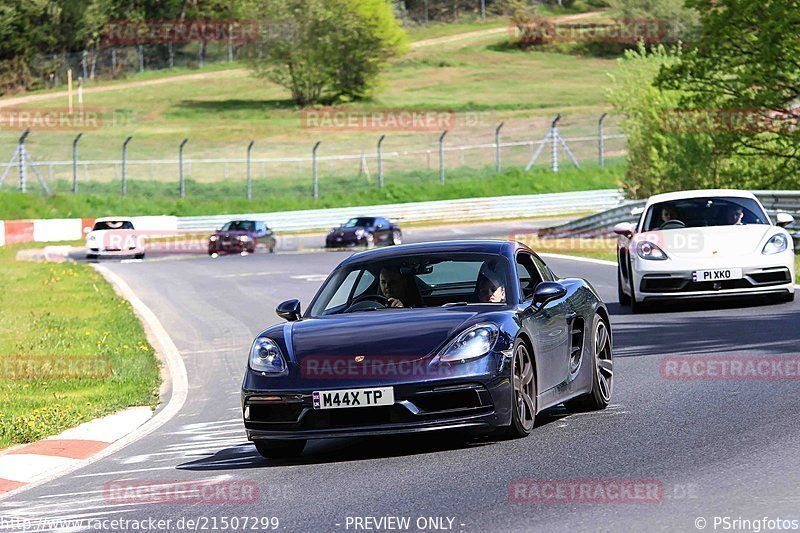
28, 463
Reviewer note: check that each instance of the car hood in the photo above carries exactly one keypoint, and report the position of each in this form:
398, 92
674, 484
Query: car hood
715, 241
402, 334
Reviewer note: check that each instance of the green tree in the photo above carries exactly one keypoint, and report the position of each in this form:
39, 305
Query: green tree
326, 50
747, 59
680, 22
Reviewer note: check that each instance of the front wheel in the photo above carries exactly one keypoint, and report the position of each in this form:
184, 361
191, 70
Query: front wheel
624, 299
523, 380
397, 237
602, 371
369, 240
279, 449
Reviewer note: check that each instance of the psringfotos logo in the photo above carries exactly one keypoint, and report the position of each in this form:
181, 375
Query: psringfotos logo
125, 492
586, 491
55, 367
50, 119
126, 32
730, 367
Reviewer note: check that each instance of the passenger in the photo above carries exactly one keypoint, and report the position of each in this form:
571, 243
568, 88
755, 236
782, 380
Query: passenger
491, 288
398, 289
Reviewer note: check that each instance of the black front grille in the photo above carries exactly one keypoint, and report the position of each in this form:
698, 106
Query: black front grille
275, 412
773, 277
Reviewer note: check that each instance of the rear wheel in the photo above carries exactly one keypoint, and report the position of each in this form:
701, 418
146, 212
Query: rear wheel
279, 449
523, 380
602, 371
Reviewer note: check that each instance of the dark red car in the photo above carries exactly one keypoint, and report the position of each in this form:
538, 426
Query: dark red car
241, 237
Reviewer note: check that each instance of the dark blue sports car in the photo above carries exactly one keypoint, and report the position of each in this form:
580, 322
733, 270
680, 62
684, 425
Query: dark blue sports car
472, 335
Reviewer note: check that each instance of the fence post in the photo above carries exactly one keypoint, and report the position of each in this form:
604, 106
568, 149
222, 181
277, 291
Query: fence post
600, 140
314, 167
124, 166
249, 180
21, 155
75, 163
497, 147
554, 136
441, 157
180, 164
380, 161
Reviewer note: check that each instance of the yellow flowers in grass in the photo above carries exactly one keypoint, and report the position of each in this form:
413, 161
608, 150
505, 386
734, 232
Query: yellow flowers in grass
39, 423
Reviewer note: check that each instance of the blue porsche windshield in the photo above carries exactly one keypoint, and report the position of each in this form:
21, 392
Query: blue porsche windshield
415, 281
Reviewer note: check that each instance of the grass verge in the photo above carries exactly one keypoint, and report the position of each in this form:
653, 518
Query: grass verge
71, 349
273, 195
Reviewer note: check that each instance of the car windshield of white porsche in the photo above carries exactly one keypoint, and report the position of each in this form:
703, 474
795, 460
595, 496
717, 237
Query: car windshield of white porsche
703, 212
416, 281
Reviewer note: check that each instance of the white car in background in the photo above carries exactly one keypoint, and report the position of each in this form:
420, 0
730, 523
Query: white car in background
704, 243
114, 237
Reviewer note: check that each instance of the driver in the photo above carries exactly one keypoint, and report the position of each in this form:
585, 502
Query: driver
734, 215
398, 289
490, 283
668, 213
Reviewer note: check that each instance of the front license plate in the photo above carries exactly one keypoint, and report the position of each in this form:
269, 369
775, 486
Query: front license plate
339, 399
717, 275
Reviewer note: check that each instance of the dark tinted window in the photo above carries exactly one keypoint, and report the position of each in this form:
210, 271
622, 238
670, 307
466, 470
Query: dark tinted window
360, 222
112, 224
703, 212
239, 225
527, 274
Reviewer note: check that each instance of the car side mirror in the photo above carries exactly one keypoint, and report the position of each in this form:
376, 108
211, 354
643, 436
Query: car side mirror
289, 310
784, 219
548, 291
625, 229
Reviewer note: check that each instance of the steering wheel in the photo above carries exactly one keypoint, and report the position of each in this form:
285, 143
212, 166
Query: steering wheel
672, 224
379, 299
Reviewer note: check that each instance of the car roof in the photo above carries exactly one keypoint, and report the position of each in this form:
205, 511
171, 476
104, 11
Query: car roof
113, 219
474, 246
699, 193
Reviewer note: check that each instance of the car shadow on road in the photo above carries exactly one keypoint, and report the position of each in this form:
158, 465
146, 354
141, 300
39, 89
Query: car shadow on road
321, 451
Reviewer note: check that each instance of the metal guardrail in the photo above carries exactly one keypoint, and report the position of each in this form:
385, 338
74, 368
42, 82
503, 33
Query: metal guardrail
600, 224
464, 210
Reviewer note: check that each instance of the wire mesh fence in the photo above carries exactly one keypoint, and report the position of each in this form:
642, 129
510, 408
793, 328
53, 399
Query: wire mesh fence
341, 163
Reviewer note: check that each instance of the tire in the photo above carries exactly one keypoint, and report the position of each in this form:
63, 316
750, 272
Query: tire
397, 237
602, 371
636, 307
624, 299
523, 401
91, 256
139, 256
279, 449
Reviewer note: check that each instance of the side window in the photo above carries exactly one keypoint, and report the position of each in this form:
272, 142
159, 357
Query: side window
547, 274
527, 275
343, 293
364, 283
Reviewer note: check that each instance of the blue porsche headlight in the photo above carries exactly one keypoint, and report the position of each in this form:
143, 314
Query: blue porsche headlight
265, 356
472, 343
776, 244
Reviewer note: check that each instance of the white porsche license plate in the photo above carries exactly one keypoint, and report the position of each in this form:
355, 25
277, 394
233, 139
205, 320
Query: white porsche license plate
717, 275
339, 399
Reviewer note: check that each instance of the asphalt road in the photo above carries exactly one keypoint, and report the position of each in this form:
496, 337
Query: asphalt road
721, 448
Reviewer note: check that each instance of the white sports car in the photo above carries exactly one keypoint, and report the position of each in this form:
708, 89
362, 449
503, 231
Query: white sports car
704, 243
114, 237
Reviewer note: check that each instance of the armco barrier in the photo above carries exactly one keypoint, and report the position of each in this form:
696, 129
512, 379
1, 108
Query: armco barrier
466, 210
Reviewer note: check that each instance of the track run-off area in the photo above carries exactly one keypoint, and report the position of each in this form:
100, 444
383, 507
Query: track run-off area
687, 454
